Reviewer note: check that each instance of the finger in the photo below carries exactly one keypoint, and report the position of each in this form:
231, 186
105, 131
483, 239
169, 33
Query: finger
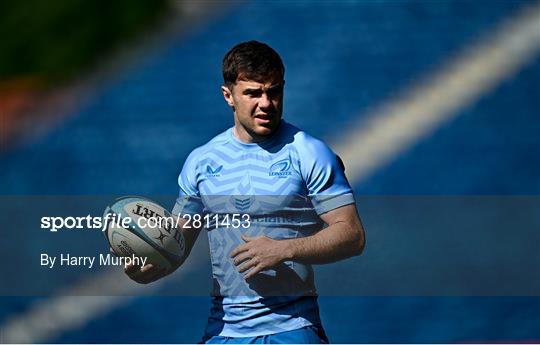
147, 268
249, 264
253, 272
155, 275
241, 258
240, 249
148, 276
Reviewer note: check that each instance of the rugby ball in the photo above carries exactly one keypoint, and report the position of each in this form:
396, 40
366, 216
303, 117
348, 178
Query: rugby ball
139, 226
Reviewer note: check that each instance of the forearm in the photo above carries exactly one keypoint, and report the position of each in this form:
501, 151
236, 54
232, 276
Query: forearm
190, 236
337, 242
343, 238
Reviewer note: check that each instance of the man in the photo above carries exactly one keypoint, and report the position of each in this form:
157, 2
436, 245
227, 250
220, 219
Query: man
287, 184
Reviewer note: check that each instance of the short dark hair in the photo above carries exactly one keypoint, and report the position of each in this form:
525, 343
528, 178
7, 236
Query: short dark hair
252, 60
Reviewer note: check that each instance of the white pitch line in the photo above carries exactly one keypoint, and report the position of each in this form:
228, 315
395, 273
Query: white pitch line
398, 124
367, 146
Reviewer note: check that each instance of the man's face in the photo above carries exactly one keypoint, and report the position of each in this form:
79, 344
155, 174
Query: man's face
257, 108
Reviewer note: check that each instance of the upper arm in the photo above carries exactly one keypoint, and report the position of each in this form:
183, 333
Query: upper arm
330, 192
188, 201
322, 170
324, 176
190, 234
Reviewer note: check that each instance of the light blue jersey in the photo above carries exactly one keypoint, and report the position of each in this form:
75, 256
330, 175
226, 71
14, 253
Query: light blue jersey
278, 188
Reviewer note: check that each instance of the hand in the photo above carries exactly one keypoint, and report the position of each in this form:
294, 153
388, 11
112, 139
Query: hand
258, 254
145, 274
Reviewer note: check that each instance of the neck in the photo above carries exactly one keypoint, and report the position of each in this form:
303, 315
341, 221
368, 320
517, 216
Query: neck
242, 134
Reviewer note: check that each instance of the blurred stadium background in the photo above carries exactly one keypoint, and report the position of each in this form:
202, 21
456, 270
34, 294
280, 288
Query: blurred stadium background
427, 98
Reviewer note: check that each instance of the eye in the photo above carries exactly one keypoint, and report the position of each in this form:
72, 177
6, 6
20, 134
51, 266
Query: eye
274, 93
253, 93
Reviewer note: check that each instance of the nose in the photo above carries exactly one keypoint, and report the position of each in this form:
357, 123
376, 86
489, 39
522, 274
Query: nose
264, 101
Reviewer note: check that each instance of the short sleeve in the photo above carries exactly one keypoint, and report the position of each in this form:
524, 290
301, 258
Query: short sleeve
324, 175
189, 199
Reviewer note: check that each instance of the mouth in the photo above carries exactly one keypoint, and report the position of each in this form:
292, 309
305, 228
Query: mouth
263, 118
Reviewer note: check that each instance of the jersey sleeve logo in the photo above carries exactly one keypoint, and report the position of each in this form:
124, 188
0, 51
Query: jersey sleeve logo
213, 172
281, 168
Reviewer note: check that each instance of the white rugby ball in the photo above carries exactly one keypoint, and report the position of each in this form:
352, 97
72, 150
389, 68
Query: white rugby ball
145, 235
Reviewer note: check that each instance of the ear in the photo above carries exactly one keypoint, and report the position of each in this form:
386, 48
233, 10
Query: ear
227, 94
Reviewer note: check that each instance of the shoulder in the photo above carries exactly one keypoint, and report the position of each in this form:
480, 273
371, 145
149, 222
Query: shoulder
192, 168
215, 143
309, 148
322, 170
319, 165
203, 154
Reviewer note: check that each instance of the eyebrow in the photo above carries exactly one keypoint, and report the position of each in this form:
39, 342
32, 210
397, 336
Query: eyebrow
251, 90
271, 88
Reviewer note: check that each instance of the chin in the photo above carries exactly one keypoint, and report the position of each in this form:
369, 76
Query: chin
264, 131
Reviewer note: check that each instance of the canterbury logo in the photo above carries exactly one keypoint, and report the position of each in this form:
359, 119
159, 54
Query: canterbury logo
213, 172
281, 168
